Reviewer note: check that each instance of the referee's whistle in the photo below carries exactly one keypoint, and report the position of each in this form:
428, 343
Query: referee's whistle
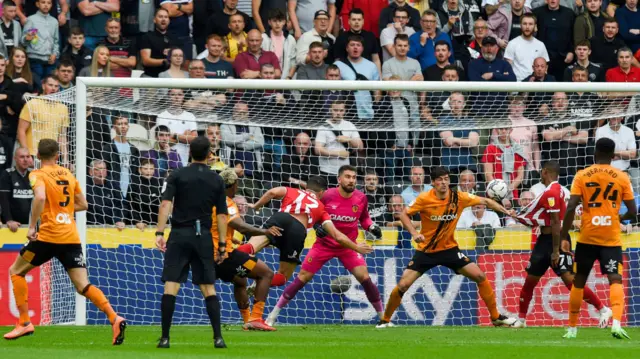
198, 227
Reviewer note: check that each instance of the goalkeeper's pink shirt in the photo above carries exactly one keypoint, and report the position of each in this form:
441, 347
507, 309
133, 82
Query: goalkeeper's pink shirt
345, 214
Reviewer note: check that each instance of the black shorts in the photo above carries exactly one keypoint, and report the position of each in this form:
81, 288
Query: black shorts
291, 243
610, 259
186, 250
38, 253
540, 259
451, 258
237, 264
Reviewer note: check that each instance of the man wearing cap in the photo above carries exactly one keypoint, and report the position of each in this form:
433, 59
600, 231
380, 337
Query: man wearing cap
300, 14
318, 33
490, 68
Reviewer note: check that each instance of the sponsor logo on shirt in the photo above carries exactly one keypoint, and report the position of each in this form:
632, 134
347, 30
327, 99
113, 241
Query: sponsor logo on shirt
444, 218
335, 217
22, 193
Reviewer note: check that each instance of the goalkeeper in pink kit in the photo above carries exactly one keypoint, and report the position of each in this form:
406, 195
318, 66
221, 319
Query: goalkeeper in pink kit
347, 207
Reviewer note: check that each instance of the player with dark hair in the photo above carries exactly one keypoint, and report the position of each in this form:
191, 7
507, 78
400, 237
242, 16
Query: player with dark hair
546, 212
347, 207
600, 187
300, 209
237, 266
440, 209
56, 197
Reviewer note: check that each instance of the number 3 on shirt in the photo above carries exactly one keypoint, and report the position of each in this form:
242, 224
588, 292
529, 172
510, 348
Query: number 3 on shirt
65, 191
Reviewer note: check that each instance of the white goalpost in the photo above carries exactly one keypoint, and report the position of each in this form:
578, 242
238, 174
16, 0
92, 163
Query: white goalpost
261, 127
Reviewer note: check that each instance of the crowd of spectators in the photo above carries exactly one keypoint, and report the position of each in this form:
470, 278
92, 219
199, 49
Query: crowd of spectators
46, 44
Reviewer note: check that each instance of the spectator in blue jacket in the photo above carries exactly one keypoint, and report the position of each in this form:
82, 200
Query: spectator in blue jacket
422, 43
490, 68
629, 21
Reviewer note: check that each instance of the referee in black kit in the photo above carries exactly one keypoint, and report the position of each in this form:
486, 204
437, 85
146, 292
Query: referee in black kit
194, 191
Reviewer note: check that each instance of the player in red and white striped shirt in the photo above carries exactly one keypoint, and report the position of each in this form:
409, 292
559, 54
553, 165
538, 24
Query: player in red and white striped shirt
545, 212
299, 211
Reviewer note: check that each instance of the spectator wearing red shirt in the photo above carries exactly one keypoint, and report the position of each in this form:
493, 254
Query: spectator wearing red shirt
372, 10
624, 72
505, 160
247, 64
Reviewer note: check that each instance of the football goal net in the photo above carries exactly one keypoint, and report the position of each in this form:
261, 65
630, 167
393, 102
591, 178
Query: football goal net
123, 136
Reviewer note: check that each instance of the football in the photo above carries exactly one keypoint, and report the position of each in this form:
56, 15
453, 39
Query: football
497, 190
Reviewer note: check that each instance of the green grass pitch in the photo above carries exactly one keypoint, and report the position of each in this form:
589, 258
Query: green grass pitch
324, 341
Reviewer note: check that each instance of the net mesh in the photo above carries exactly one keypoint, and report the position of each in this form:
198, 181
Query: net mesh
276, 137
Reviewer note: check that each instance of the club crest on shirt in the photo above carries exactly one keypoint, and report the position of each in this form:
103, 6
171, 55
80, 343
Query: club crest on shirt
551, 201
354, 208
32, 179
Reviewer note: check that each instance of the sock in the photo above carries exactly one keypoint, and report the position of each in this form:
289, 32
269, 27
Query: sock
289, 292
167, 306
575, 300
489, 298
95, 295
617, 300
246, 248
258, 310
590, 297
373, 294
21, 294
278, 280
526, 294
394, 302
245, 313
213, 310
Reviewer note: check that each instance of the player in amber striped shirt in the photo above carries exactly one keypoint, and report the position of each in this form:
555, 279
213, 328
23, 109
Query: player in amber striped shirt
238, 266
440, 209
57, 196
601, 188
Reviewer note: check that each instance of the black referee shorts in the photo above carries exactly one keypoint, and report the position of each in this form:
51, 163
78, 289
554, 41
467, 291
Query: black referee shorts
186, 250
291, 243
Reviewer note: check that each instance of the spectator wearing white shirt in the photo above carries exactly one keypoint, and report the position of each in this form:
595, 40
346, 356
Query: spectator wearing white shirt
526, 197
319, 32
182, 124
623, 136
539, 187
388, 35
303, 15
334, 141
477, 216
524, 49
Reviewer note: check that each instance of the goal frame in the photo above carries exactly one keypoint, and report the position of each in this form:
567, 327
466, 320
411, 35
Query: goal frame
83, 84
